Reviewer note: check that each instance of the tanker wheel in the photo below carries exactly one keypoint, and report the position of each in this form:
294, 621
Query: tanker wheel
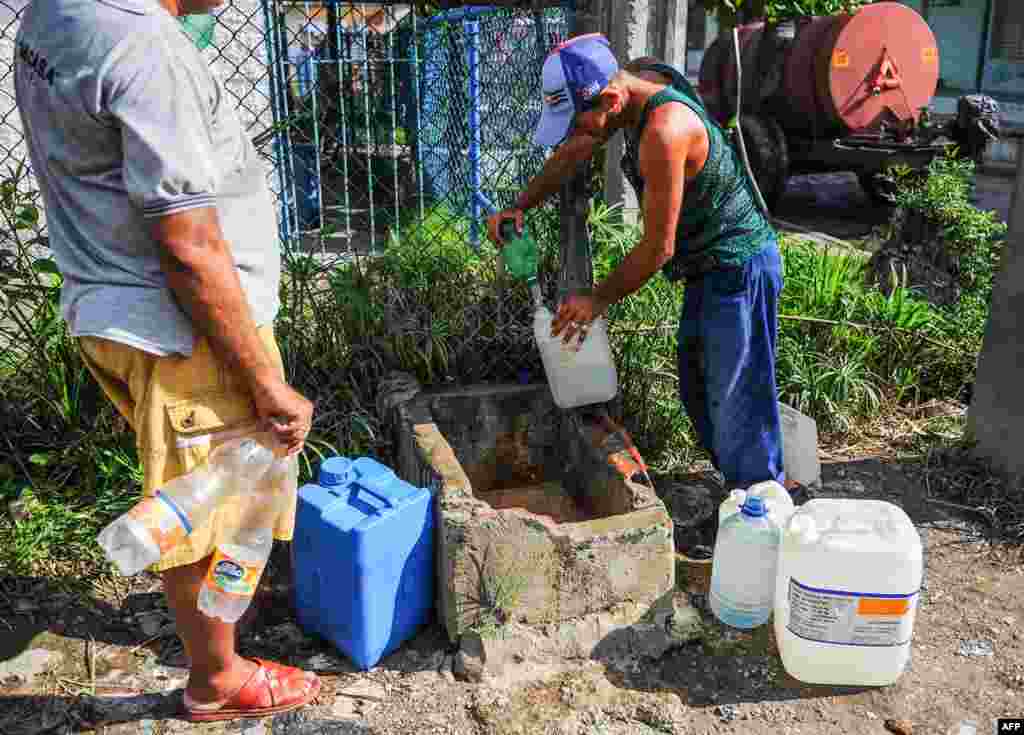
768, 152
881, 189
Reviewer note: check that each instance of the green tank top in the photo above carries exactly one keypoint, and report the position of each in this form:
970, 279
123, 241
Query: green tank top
719, 216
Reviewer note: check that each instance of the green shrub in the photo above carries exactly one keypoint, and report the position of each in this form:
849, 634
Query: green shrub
69, 469
942, 194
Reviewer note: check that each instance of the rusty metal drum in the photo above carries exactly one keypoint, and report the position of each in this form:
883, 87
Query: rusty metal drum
880, 64
841, 74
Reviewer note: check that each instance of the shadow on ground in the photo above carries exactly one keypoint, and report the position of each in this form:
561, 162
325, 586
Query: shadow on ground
835, 203
722, 668
72, 663
67, 715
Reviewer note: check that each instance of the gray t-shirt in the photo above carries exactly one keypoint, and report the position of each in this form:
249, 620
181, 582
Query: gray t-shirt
125, 122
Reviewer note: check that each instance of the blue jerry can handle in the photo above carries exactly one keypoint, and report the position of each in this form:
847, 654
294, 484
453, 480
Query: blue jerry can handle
375, 483
383, 498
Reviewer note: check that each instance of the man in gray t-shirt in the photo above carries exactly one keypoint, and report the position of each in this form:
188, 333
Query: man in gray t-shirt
163, 228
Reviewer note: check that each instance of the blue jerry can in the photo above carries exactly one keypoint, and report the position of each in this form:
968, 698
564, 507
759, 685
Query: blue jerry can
363, 558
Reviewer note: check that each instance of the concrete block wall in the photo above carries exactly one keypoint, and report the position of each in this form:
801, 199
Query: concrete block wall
540, 518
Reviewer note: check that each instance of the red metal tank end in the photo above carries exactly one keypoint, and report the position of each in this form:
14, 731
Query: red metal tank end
879, 65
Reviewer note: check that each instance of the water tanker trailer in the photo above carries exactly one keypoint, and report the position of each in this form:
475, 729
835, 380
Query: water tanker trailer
847, 92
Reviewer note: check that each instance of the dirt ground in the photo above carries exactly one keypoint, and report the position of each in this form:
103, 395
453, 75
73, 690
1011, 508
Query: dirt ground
111, 664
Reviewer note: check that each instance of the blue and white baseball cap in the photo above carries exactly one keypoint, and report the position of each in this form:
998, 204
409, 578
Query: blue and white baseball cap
574, 74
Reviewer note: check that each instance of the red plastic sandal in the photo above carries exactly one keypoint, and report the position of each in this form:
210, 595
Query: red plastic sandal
272, 689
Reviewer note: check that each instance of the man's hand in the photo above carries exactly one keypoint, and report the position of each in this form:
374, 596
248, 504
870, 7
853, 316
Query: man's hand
558, 168
495, 221
284, 411
575, 315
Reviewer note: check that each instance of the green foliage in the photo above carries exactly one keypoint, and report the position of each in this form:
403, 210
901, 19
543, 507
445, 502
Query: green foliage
820, 282
942, 194
54, 532
643, 335
780, 10
69, 471
776, 11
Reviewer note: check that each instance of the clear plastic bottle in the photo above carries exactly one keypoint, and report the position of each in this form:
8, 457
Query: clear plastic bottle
744, 566
155, 525
580, 374
238, 563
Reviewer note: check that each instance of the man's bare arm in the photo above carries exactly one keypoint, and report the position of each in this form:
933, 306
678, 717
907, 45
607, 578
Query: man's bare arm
559, 168
201, 273
663, 153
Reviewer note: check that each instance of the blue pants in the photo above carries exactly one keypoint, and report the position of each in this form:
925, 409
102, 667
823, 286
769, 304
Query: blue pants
727, 367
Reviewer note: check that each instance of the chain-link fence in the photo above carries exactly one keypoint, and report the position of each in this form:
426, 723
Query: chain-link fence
389, 135
384, 118
370, 114
396, 134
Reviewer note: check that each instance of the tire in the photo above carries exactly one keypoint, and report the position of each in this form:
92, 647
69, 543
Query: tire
880, 190
768, 152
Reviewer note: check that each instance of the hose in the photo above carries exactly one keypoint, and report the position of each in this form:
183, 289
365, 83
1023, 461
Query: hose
739, 128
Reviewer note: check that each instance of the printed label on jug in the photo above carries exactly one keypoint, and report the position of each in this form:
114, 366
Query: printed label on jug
164, 526
850, 618
232, 576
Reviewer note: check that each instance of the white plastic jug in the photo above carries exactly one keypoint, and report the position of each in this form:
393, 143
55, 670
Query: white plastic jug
743, 567
846, 594
799, 446
579, 374
777, 499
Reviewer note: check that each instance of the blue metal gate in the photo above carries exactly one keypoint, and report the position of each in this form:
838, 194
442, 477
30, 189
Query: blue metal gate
383, 117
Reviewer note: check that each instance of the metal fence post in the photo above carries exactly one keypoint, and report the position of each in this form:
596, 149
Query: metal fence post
576, 271
472, 31
276, 116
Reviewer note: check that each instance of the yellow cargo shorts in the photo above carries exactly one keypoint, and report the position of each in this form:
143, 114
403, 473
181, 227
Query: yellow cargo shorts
181, 408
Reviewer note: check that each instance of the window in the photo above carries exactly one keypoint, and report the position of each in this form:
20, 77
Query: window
1008, 30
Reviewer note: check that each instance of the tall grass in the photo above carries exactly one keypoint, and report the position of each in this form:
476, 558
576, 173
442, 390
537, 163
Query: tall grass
643, 334
67, 466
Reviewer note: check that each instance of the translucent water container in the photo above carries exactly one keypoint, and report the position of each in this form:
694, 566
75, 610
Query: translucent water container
155, 525
777, 499
579, 374
743, 567
799, 446
240, 559
847, 590
363, 558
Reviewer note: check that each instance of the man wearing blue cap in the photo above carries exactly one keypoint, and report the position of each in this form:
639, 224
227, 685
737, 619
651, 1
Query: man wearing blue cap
701, 225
